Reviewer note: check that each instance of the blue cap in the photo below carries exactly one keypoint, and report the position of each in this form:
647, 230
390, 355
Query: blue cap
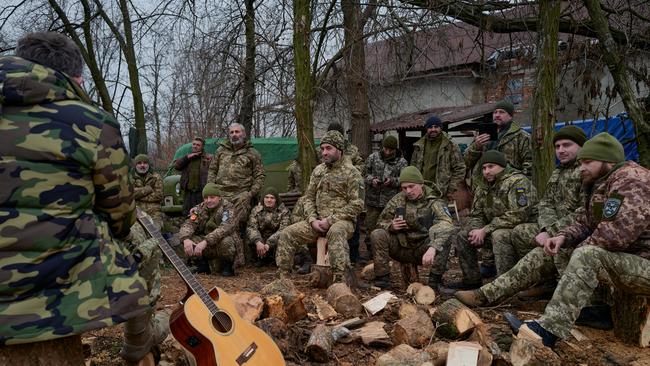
433, 121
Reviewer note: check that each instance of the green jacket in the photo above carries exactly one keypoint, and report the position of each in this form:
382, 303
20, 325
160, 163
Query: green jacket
505, 203
450, 170
212, 224
563, 197
237, 171
64, 194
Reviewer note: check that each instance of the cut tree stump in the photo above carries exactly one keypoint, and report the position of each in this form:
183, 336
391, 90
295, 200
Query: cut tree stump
422, 294
372, 334
249, 305
403, 354
415, 330
319, 346
294, 306
343, 300
407, 309
274, 308
454, 319
631, 316
320, 276
324, 310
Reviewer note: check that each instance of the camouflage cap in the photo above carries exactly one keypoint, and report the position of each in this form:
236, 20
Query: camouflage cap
602, 147
141, 158
335, 139
211, 189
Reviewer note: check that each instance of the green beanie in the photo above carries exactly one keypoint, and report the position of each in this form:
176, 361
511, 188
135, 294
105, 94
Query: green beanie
335, 139
211, 189
141, 158
602, 147
411, 174
494, 157
571, 132
506, 105
389, 142
273, 191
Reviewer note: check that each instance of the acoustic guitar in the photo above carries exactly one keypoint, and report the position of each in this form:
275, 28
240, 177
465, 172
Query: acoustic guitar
207, 323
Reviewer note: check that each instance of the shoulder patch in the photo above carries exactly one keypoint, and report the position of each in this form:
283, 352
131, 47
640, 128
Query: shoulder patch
522, 199
447, 210
611, 207
225, 216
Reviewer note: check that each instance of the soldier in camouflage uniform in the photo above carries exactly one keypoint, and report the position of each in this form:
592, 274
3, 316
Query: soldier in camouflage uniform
333, 200
265, 222
142, 333
382, 181
64, 195
513, 141
194, 174
148, 187
612, 235
294, 182
506, 199
439, 159
413, 227
562, 198
211, 231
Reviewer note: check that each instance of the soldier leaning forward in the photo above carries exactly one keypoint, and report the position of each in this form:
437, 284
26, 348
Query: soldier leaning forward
414, 227
211, 231
265, 222
506, 199
148, 188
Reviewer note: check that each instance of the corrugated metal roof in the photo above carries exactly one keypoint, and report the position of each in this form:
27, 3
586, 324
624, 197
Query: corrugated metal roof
411, 121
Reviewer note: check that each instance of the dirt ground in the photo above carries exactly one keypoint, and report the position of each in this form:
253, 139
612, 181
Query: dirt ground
600, 347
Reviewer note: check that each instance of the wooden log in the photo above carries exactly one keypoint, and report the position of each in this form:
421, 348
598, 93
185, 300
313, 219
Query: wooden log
319, 346
274, 308
294, 306
249, 305
322, 258
372, 334
277, 329
413, 288
320, 276
324, 310
438, 352
415, 330
482, 336
343, 300
407, 309
424, 295
352, 323
379, 302
631, 316
454, 319
368, 272
527, 352
463, 354
403, 354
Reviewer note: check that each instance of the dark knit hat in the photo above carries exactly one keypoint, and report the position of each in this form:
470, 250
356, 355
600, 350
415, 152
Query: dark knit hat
335, 139
211, 189
571, 132
494, 157
506, 105
141, 158
411, 174
602, 147
334, 126
389, 142
433, 121
271, 190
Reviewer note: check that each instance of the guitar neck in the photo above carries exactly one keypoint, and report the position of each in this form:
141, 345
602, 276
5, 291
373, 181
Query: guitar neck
177, 262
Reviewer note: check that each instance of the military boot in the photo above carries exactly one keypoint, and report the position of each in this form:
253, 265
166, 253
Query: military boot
382, 281
473, 298
307, 261
435, 281
352, 281
228, 269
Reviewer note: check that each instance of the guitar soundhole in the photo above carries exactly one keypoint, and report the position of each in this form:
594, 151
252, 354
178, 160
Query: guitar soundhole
222, 322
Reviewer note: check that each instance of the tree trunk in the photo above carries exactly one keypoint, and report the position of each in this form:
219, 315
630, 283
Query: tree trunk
356, 81
304, 87
248, 98
543, 112
616, 65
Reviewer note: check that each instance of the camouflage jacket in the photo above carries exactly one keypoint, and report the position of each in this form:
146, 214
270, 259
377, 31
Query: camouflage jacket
450, 170
617, 213
212, 224
149, 265
335, 192
294, 181
505, 203
182, 163
64, 194
148, 191
377, 166
562, 199
264, 224
352, 152
515, 144
427, 218
237, 171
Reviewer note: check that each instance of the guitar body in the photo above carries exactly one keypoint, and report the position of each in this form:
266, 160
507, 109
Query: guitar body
228, 340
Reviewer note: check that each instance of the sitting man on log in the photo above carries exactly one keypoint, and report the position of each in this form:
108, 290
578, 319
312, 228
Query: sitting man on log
265, 222
333, 199
412, 228
612, 236
211, 231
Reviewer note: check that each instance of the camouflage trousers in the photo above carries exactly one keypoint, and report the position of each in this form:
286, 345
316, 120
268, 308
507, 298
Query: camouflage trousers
142, 333
153, 210
386, 246
534, 268
468, 254
242, 208
225, 250
301, 234
587, 266
372, 215
509, 250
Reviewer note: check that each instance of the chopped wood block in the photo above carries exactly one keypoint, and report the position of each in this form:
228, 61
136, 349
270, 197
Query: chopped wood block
249, 305
320, 276
631, 316
482, 336
292, 300
319, 346
407, 309
322, 258
274, 308
379, 302
425, 296
463, 354
454, 319
373, 334
353, 323
415, 330
343, 300
438, 352
526, 352
368, 272
403, 354
413, 288
578, 335
324, 310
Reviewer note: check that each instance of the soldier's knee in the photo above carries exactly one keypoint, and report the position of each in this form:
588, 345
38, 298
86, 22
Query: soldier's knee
587, 254
378, 235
